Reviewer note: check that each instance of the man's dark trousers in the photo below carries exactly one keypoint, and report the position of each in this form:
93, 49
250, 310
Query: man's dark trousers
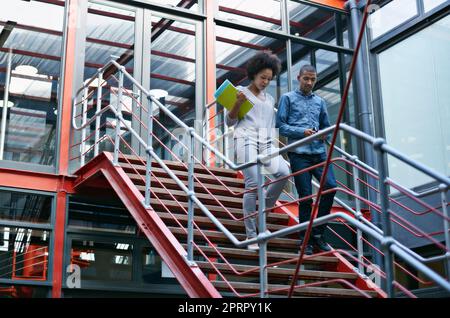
304, 187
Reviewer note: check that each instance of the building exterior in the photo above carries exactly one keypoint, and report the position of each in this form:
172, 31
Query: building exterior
186, 49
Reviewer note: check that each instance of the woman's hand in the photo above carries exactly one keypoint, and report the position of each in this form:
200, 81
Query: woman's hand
241, 98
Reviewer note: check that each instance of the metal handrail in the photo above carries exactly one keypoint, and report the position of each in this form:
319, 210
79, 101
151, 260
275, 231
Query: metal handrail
263, 237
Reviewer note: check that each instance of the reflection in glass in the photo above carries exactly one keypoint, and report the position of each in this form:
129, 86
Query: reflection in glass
173, 73
32, 34
23, 291
190, 4
266, 14
24, 253
431, 4
97, 216
154, 270
25, 207
391, 15
311, 22
102, 261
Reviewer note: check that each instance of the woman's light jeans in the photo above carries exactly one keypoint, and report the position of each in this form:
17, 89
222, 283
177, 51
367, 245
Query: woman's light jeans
247, 150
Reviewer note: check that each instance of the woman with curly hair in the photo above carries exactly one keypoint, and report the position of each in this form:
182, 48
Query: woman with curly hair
253, 135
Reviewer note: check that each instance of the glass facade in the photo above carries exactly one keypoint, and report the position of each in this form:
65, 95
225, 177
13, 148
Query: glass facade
416, 101
166, 52
30, 57
391, 15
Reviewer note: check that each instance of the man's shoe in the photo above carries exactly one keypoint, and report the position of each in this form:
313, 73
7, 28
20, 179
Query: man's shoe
253, 247
321, 245
308, 249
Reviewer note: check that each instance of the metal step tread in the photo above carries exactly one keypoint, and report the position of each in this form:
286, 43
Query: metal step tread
277, 272
252, 288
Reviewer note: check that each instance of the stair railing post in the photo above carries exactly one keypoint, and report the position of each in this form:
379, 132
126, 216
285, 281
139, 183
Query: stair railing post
359, 241
148, 152
118, 117
386, 216
262, 231
83, 122
443, 189
191, 188
97, 111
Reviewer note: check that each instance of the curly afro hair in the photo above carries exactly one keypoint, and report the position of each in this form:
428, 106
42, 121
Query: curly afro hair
261, 61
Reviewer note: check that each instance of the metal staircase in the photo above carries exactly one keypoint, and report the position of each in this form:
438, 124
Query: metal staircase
191, 213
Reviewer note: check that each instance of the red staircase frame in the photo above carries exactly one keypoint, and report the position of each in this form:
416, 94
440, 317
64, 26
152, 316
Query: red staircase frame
190, 277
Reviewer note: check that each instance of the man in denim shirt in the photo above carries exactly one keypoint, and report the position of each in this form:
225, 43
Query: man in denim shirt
301, 113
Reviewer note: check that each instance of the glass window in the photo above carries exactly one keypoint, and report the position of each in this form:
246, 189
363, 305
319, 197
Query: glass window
23, 291
154, 270
416, 101
264, 14
431, 4
172, 78
87, 216
102, 261
24, 207
391, 15
311, 22
32, 35
301, 56
189, 5
109, 34
24, 253
234, 48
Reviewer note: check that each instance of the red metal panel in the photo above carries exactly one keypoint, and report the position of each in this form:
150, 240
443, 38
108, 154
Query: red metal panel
210, 80
35, 181
191, 278
58, 251
338, 4
66, 112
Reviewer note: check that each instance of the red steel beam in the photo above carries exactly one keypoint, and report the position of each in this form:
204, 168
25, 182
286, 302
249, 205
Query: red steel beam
336, 4
190, 277
38, 181
63, 165
210, 80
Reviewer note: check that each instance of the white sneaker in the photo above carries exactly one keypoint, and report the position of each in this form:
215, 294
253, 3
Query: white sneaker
253, 247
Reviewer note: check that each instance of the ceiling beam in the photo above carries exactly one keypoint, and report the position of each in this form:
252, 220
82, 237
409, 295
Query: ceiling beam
6, 32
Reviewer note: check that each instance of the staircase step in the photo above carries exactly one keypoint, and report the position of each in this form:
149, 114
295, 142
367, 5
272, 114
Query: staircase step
179, 166
272, 256
180, 195
219, 212
252, 288
285, 273
204, 222
171, 184
206, 178
219, 237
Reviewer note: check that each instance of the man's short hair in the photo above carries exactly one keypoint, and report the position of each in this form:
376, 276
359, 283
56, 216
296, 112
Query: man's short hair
261, 61
307, 68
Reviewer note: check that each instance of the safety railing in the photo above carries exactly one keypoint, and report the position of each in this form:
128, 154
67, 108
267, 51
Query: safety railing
117, 139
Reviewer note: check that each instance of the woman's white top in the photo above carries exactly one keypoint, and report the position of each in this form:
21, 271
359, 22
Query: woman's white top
259, 122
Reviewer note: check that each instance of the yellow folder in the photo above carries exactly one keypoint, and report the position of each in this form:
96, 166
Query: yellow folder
226, 96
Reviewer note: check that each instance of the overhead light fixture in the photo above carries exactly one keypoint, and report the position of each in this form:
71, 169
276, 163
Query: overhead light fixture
9, 104
159, 93
26, 81
25, 70
94, 83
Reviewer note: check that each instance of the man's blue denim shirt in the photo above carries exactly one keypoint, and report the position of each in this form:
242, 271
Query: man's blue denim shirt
298, 112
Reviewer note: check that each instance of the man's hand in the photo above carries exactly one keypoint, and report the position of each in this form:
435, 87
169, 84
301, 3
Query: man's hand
309, 132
